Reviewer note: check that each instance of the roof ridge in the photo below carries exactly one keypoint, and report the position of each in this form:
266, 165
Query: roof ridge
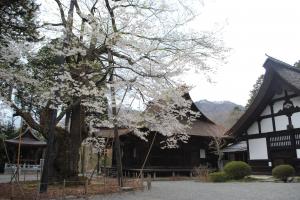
282, 64
28, 129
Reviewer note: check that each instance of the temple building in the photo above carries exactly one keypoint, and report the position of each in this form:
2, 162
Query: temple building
167, 162
31, 148
270, 126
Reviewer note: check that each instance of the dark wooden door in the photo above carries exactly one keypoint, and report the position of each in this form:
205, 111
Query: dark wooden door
194, 159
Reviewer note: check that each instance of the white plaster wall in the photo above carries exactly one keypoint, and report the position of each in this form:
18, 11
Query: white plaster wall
278, 105
253, 129
266, 125
298, 153
281, 122
296, 120
296, 101
258, 149
267, 111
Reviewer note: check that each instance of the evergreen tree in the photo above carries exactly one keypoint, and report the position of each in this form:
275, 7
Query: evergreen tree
18, 20
258, 83
297, 64
255, 90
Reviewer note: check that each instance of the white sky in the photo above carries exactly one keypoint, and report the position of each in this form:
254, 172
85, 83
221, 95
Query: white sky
251, 28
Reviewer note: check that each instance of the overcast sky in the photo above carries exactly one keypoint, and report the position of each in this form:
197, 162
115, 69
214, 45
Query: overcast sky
251, 28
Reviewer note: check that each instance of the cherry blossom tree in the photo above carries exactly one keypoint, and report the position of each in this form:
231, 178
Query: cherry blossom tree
108, 57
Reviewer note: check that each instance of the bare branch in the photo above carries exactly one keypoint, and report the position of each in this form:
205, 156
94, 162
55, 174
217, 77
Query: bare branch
27, 117
112, 16
61, 10
94, 7
78, 11
52, 24
62, 114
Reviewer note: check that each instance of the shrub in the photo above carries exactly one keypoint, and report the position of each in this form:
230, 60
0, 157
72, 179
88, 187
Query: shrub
283, 172
201, 172
237, 169
218, 177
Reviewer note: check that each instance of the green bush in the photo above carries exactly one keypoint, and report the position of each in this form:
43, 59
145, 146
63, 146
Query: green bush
283, 172
218, 177
237, 169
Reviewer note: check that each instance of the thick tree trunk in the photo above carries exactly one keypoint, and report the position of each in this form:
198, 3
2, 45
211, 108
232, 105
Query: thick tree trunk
49, 160
75, 140
66, 147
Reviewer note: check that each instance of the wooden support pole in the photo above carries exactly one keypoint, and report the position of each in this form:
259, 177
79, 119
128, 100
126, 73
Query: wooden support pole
149, 182
11, 191
116, 145
85, 187
64, 187
19, 152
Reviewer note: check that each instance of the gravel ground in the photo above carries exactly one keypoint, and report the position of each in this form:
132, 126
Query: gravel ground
190, 190
5, 178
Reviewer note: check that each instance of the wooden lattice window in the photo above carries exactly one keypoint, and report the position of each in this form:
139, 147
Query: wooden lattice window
281, 141
297, 138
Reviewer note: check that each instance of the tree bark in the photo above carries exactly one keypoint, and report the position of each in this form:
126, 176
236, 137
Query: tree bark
49, 160
64, 146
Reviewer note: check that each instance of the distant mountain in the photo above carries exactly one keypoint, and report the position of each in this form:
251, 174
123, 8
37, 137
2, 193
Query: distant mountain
225, 113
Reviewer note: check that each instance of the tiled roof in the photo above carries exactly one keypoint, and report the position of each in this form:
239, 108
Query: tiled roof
27, 138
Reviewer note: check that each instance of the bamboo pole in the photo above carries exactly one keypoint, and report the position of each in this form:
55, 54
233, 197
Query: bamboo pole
146, 158
19, 152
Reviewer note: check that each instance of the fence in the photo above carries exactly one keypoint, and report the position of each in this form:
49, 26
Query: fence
10, 168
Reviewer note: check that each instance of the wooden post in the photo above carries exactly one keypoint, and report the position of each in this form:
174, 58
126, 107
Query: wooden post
98, 163
154, 175
149, 182
19, 152
37, 191
116, 144
64, 186
173, 174
11, 191
86, 187
104, 181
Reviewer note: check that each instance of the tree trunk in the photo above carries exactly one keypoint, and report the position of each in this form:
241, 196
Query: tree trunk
49, 160
65, 148
220, 163
75, 140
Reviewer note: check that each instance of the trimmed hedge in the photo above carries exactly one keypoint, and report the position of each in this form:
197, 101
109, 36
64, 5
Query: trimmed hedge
218, 177
237, 169
283, 172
